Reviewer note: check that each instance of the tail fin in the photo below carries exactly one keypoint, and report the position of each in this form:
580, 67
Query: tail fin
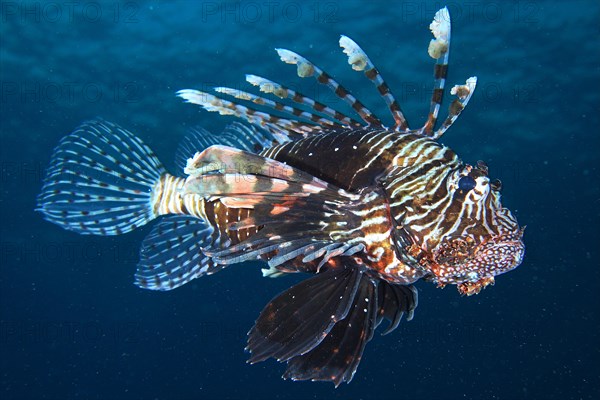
100, 181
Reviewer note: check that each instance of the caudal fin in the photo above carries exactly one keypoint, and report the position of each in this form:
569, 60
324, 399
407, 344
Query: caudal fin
100, 181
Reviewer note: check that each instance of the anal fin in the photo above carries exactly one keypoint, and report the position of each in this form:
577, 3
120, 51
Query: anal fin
172, 254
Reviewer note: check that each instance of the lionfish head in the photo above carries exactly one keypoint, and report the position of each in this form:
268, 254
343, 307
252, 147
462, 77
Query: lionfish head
476, 239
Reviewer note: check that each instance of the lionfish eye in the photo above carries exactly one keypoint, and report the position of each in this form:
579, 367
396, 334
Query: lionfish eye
466, 183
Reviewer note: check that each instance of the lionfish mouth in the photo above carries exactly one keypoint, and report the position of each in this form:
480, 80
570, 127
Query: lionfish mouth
473, 267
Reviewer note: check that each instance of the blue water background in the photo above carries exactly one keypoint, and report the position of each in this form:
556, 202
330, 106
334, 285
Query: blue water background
72, 324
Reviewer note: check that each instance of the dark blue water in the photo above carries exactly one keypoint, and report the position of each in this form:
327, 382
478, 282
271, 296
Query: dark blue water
74, 326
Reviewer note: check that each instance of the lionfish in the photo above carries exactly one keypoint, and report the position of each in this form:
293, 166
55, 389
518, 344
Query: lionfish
368, 210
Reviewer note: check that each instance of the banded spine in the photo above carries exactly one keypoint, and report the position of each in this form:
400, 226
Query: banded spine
279, 127
361, 62
307, 68
274, 105
283, 92
439, 49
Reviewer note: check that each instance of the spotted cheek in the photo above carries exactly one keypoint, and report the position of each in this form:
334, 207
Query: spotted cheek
496, 261
479, 271
508, 258
448, 274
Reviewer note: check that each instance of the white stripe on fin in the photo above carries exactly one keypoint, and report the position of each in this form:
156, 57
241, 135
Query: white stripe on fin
171, 255
100, 181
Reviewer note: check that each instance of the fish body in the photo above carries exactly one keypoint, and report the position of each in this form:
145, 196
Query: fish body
368, 210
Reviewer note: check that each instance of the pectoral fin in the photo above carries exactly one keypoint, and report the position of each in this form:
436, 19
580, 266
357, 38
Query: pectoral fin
322, 325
